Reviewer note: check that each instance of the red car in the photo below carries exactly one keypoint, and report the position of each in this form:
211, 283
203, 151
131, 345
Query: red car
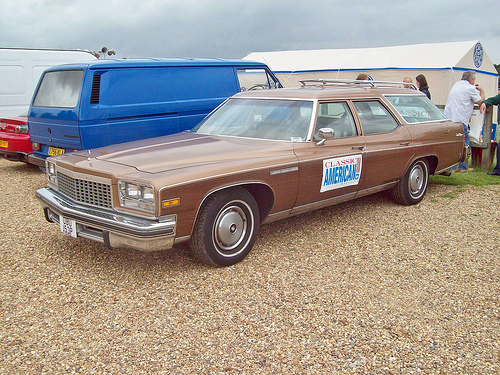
15, 142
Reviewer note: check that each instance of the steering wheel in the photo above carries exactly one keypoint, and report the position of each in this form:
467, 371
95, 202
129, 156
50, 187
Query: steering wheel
258, 86
287, 132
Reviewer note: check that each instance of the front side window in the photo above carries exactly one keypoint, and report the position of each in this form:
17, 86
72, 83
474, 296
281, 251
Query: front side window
416, 108
59, 89
374, 117
336, 116
255, 79
260, 118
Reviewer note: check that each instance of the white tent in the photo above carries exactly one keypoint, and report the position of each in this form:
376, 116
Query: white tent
442, 64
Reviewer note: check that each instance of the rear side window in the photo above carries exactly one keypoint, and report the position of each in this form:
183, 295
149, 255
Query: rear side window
375, 118
255, 79
59, 89
416, 108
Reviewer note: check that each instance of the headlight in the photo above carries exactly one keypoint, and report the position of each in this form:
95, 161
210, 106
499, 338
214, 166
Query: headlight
136, 195
50, 169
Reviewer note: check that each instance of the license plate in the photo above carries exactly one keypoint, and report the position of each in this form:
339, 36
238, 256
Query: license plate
55, 151
67, 226
4, 144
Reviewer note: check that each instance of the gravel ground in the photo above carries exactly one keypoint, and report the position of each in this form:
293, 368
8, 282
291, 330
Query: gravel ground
367, 287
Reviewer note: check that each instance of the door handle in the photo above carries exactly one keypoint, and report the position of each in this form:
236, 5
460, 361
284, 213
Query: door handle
358, 147
405, 143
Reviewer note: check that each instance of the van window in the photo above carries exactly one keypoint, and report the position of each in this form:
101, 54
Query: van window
255, 79
59, 89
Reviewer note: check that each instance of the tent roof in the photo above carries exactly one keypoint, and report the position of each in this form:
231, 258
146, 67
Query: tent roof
418, 56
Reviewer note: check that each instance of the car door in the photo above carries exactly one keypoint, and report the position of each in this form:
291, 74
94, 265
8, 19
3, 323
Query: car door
389, 147
330, 171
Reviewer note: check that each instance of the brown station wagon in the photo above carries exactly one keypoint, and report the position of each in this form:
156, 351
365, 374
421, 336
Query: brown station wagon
260, 157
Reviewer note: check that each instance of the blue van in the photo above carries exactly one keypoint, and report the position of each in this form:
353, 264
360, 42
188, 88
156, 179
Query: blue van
89, 105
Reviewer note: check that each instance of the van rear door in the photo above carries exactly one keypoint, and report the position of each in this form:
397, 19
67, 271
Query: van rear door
53, 116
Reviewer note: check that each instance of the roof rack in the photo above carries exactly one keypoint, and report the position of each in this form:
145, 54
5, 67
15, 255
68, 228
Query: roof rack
354, 82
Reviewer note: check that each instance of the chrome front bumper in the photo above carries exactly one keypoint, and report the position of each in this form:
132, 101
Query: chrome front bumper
114, 229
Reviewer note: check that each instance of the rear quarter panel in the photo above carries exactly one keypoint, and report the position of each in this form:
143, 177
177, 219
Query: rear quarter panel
443, 139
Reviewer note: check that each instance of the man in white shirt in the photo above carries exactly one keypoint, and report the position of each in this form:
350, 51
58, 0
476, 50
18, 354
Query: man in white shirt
463, 95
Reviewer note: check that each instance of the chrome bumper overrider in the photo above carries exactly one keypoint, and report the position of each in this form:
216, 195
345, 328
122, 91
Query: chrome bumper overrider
114, 229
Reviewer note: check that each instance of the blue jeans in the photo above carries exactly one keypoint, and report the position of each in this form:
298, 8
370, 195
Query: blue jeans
497, 167
465, 164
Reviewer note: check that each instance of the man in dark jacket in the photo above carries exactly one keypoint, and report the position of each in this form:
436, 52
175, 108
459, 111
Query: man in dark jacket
494, 100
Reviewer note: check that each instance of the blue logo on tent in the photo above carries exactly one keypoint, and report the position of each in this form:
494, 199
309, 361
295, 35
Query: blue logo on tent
478, 55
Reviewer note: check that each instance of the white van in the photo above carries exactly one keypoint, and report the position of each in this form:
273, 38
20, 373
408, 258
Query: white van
20, 70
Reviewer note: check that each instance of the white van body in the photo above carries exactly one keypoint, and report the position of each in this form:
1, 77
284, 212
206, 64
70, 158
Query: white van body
20, 70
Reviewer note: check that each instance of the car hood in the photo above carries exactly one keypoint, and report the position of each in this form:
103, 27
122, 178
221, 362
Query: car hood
190, 150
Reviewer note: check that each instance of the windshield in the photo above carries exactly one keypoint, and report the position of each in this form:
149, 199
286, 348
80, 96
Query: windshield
416, 108
59, 89
260, 118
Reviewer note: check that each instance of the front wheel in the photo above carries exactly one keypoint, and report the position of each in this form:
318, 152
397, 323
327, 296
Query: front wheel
226, 228
412, 187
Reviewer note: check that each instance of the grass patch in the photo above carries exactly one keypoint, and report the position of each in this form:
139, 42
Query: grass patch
477, 177
449, 195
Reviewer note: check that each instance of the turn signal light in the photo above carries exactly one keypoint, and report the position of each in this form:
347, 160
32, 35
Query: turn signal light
171, 202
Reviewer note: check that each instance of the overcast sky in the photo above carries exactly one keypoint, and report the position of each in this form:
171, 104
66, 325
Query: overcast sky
235, 28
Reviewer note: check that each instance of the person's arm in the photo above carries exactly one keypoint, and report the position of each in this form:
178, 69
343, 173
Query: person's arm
482, 108
481, 92
494, 100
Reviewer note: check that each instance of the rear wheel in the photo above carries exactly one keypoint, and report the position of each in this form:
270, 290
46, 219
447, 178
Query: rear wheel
412, 187
226, 228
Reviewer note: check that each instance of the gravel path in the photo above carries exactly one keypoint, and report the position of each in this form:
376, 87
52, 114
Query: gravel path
367, 287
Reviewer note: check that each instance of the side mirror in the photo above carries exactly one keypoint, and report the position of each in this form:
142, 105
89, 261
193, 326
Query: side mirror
324, 134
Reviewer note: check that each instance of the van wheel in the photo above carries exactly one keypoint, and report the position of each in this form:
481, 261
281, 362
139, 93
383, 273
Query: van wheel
412, 187
226, 228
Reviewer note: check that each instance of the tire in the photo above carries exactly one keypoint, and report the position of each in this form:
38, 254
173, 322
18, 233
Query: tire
412, 187
226, 228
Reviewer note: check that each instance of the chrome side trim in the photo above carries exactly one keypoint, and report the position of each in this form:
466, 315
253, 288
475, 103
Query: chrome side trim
324, 203
285, 170
376, 189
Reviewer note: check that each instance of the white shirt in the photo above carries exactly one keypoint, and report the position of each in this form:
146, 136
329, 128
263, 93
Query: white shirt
461, 101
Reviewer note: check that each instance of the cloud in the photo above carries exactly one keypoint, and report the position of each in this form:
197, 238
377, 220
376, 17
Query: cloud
234, 28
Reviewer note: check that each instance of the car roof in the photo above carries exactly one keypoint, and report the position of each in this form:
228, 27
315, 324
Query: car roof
343, 90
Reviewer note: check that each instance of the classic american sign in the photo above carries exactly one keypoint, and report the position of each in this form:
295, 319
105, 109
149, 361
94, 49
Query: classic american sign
341, 172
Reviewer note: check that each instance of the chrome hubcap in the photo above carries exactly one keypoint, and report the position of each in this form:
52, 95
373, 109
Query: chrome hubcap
230, 228
417, 180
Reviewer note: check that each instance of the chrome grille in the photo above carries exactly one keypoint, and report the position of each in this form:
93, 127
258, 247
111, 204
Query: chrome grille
85, 191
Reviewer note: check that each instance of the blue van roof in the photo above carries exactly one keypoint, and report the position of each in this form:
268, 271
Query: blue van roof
158, 62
